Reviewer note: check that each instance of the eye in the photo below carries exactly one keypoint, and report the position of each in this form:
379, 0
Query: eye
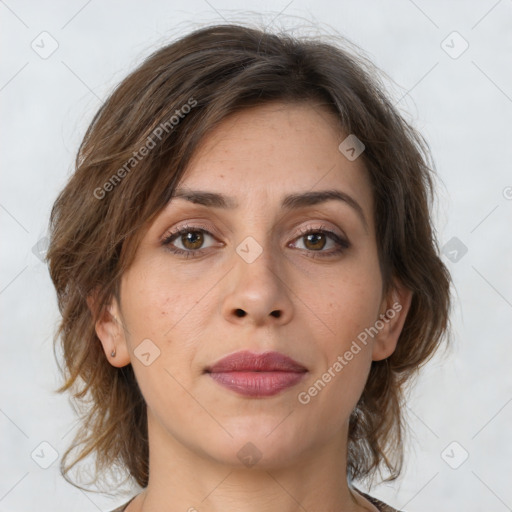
191, 239
315, 240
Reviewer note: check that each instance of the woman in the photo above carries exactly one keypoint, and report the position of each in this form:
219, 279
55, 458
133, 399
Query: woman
248, 276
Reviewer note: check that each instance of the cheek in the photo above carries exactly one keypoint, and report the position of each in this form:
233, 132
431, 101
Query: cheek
157, 300
168, 308
339, 378
352, 301
155, 314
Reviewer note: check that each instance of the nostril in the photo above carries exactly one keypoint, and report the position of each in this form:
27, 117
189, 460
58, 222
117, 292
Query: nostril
240, 313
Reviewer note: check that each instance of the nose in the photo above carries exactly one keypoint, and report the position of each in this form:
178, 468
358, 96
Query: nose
258, 292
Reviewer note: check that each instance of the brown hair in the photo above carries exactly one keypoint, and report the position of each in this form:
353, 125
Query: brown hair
112, 197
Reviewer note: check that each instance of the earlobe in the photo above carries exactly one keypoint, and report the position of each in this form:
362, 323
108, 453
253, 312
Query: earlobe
111, 333
394, 310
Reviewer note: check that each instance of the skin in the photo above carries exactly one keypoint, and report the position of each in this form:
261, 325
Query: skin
187, 308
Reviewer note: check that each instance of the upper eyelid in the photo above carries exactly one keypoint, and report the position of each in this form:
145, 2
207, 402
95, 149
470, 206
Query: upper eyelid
208, 212
188, 227
212, 232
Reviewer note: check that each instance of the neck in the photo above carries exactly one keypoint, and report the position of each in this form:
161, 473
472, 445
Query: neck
183, 480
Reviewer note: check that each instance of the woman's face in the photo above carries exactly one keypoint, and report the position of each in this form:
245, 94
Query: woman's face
264, 265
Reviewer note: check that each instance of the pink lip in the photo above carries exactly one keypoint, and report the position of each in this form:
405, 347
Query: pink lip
254, 375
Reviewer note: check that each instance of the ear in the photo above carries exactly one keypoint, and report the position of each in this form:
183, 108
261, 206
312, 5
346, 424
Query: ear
111, 332
393, 312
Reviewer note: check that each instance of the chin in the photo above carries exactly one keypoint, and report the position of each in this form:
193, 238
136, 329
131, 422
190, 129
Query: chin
261, 446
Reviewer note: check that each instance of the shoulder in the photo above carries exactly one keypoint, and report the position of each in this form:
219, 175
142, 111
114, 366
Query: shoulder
383, 507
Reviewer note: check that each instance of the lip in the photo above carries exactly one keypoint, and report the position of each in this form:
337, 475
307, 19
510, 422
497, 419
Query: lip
256, 375
246, 361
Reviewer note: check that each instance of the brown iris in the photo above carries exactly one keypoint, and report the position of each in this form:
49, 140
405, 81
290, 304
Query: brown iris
194, 238
318, 240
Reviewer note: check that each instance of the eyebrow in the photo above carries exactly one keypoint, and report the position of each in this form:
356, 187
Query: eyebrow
290, 202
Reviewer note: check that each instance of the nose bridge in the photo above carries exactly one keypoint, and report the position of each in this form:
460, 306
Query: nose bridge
256, 263
257, 244
258, 291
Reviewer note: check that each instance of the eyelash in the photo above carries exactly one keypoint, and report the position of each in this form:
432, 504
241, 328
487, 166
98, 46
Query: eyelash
342, 243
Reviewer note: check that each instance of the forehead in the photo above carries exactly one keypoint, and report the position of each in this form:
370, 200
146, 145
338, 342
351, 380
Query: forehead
273, 149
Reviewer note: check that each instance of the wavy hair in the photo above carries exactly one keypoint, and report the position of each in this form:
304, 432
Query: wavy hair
111, 198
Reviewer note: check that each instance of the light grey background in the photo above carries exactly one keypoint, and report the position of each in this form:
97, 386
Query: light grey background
462, 105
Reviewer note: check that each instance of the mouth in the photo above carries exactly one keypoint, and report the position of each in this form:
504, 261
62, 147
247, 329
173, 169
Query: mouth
257, 375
